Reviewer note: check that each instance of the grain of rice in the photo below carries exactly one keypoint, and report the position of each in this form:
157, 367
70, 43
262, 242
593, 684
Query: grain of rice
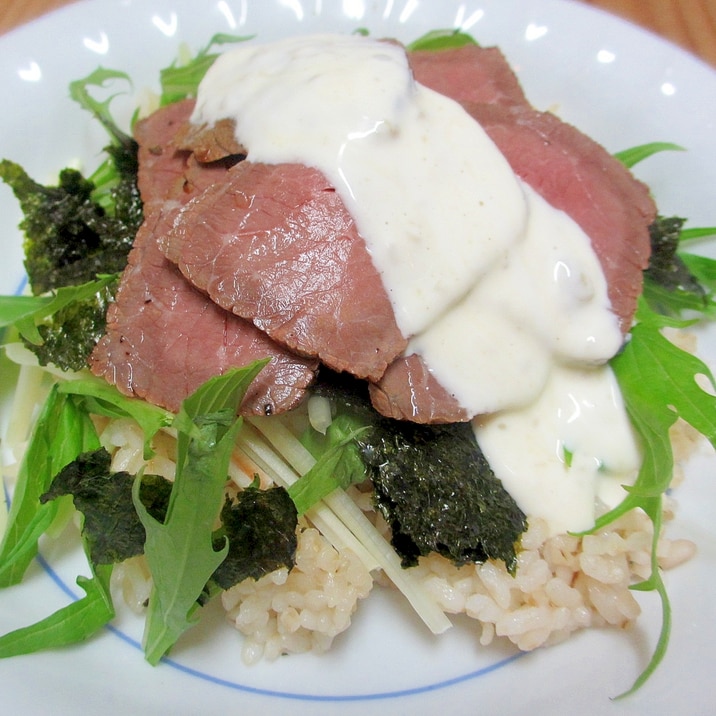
131, 579
673, 553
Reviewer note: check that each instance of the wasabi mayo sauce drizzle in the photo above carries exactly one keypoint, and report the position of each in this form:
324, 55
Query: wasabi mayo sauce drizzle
500, 293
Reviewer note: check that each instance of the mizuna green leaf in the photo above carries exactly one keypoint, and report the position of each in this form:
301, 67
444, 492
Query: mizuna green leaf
338, 462
659, 384
181, 79
27, 311
699, 232
180, 551
73, 623
441, 40
634, 155
62, 432
101, 398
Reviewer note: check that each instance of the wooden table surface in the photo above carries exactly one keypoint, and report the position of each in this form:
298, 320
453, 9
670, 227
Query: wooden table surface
689, 23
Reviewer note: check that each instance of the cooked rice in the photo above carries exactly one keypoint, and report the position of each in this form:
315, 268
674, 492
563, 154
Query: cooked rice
561, 583
301, 610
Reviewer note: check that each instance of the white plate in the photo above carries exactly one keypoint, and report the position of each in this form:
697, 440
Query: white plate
619, 84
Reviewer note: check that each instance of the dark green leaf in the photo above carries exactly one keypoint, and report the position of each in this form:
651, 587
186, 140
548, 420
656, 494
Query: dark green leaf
99, 397
79, 92
338, 462
699, 232
180, 550
658, 383
28, 311
181, 80
115, 180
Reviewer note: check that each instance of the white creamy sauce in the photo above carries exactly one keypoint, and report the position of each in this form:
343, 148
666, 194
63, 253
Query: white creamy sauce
571, 444
544, 301
400, 155
497, 291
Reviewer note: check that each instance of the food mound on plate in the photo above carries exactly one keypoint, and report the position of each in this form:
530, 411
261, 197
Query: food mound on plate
413, 283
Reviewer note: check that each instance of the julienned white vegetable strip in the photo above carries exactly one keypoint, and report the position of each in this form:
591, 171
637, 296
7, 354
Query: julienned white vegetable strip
353, 518
27, 396
29, 393
265, 457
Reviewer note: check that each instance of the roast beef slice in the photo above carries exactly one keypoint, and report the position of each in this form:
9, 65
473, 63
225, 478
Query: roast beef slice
164, 337
275, 245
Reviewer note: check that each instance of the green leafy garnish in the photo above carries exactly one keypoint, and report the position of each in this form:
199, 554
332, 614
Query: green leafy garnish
79, 92
98, 397
180, 550
61, 433
181, 79
441, 40
338, 462
69, 625
173, 524
27, 312
115, 180
659, 384
76, 231
634, 155
700, 232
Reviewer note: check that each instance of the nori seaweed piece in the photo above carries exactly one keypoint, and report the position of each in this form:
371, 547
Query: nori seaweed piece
666, 268
70, 238
439, 494
112, 528
432, 484
261, 526
70, 335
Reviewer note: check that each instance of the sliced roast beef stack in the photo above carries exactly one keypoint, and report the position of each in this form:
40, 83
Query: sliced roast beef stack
238, 260
164, 337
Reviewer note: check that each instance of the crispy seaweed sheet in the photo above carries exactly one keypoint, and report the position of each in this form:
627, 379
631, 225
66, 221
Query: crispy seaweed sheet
432, 483
438, 494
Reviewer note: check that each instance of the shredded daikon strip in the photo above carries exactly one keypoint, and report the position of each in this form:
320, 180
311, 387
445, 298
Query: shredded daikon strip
360, 526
